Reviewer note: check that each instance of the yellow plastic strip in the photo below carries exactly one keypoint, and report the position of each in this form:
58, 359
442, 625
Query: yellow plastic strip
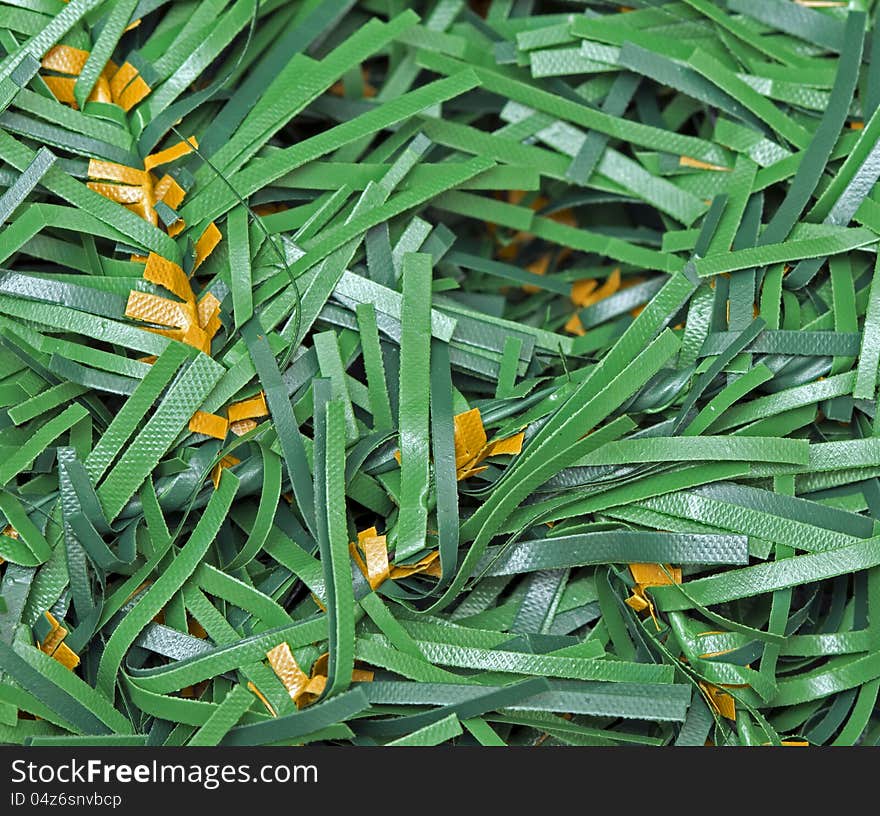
472, 445
209, 424
225, 462
66, 656
647, 575
195, 337
583, 298
169, 275
55, 636
654, 575
134, 93
53, 646
120, 79
511, 445
470, 438
154, 309
110, 171
120, 193
62, 88
169, 191
171, 153
375, 550
65, 59
251, 409
209, 314
687, 161
720, 701
284, 664
251, 687
425, 565
206, 243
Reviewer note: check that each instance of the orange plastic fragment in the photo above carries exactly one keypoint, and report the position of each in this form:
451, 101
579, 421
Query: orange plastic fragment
169, 191
269, 707
209, 424
52, 644
429, 565
687, 161
62, 88
249, 408
472, 445
206, 244
56, 635
225, 462
66, 656
121, 78
170, 153
370, 553
65, 59
538, 267
169, 275
586, 295
283, 663
654, 575
208, 312
371, 556
647, 575
305, 689
120, 193
242, 427
111, 171
720, 701
155, 309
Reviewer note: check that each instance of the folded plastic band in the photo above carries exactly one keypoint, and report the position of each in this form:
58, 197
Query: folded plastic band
52, 644
720, 701
169, 191
371, 555
169, 275
305, 689
645, 576
283, 663
227, 461
472, 445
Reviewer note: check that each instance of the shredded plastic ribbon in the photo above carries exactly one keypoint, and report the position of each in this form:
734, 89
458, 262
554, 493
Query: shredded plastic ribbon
577, 304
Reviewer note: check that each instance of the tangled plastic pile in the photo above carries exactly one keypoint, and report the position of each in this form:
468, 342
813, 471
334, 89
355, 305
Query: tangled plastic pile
404, 373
